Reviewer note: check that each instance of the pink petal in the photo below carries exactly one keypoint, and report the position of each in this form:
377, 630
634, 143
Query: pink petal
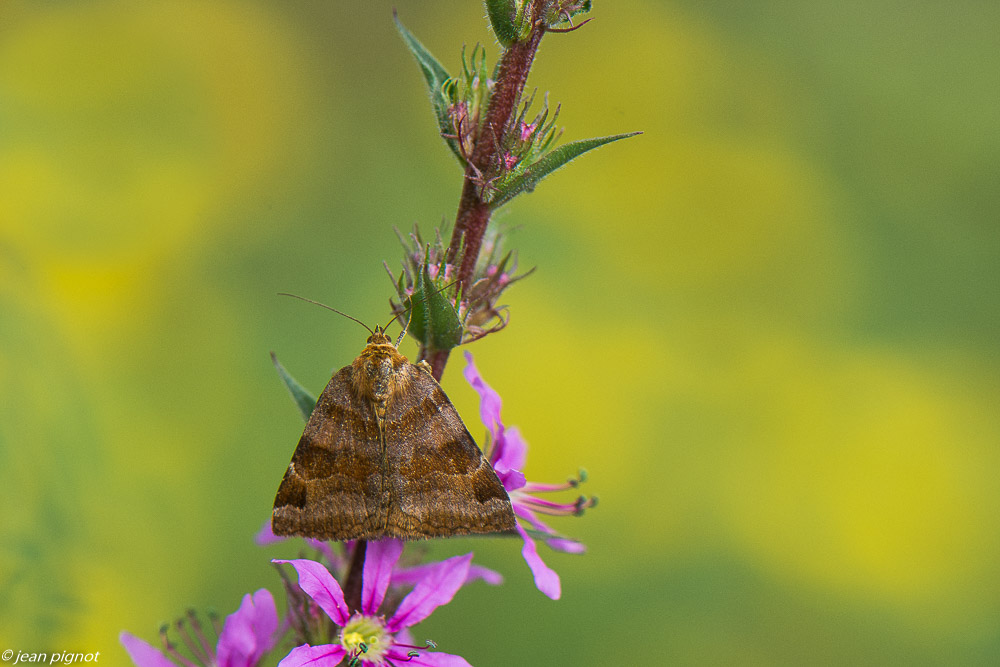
315, 656
405, 576
249, 632
565, 545
142, 654
554, 542
380, 558
512, 480
335, 559
508, 457
412, 575
266, 536
546, 579
492, 577
434, 659
515, 449
319, 584
265, 621
489, 400
522, 511
404, 636
434, 590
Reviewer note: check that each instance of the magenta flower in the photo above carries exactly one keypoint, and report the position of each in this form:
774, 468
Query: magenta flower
266, 536
366, 637
508, 452
401, 576
248, 633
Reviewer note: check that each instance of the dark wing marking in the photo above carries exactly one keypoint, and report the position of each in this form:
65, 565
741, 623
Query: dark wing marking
334, 488
440, 483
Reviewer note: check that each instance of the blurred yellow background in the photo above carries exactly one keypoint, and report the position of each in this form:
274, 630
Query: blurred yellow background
767, 327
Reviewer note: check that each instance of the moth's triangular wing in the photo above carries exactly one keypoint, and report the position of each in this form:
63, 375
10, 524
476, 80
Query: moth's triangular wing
440, 483
334, 488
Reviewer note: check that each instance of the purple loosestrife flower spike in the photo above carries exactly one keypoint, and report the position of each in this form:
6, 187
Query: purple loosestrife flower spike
508, 453
248, 633
365, 635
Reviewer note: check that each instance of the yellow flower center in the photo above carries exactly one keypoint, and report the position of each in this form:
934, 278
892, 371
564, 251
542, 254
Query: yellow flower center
365, 637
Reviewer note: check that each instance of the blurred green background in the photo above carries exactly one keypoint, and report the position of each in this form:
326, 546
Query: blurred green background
767, 327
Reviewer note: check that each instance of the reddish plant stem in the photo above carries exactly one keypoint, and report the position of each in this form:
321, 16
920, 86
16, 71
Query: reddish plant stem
352, 582
470, 226
437, 359
473, 213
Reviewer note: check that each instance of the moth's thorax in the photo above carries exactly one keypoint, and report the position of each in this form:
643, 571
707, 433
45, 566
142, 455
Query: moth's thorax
379, 371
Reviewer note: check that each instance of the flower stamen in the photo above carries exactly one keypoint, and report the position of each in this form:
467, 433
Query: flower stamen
213, 618
194, 639
171, 649
196, 627
556, 509
571, 483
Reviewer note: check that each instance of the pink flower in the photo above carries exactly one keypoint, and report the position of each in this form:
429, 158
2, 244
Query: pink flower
266, 536
248, 633
508, 452
366, 637
401, 576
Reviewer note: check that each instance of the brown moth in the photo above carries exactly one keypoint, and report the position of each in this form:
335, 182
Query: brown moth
385, 454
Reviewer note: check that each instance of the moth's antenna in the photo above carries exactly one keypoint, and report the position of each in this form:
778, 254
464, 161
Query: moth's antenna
323, 305
395, 317
402, 334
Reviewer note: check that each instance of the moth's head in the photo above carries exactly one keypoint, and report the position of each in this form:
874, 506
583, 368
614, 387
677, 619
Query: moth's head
378, 337
377, 363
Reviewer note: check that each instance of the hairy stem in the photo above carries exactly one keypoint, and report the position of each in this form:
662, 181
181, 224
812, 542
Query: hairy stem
352, 583
473, 213
437, 359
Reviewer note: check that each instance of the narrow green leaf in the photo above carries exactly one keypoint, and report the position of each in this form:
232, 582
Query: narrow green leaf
531, 176
304, 401
435, 75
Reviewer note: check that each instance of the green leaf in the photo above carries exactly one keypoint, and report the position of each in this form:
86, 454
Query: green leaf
508, 25
304, 401
435, 75
530, 177
433, 318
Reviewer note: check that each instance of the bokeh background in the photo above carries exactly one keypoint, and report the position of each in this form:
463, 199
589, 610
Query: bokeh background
767, 327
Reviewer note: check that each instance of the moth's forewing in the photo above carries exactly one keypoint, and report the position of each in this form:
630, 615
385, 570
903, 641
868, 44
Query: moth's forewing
440, 482
333, 487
